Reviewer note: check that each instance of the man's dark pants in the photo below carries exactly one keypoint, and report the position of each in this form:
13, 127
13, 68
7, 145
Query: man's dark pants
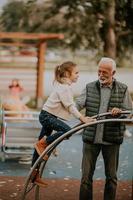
111, 156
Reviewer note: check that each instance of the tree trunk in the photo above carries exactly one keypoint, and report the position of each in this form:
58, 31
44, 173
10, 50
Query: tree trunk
110, 37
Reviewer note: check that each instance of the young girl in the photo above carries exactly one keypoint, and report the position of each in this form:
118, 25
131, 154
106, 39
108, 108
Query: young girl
13, 101
59, 105
15, 87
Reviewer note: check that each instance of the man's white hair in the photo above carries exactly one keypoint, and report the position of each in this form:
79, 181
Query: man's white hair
108, 60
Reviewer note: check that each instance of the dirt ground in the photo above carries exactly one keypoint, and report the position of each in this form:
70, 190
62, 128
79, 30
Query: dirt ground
11, 188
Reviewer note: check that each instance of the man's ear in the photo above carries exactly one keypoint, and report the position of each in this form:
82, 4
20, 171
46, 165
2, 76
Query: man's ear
113, 73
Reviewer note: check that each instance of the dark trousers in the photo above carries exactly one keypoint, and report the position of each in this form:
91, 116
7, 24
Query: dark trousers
110, 155
49, 123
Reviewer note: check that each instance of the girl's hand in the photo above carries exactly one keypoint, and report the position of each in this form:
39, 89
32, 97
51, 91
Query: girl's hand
86, 119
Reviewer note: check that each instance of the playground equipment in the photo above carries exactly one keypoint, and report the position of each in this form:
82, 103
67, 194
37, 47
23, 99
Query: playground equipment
125, 117
19, 132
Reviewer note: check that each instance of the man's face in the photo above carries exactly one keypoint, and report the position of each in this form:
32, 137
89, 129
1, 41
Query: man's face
105, 73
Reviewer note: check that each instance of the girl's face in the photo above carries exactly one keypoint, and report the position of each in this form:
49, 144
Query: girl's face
74, 75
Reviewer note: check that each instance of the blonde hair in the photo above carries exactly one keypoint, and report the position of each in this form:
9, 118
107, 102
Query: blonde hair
61, 70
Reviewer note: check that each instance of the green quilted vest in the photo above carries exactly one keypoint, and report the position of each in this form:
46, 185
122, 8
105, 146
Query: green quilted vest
113, 131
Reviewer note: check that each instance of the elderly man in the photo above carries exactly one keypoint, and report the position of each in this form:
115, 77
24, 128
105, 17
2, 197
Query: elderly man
102, 95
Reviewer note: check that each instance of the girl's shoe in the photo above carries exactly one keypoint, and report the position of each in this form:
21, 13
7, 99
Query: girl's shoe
40, 146
38, 181
35, 178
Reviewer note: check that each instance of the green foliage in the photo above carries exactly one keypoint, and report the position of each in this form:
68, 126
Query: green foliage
14, 16
124, 26
84, 22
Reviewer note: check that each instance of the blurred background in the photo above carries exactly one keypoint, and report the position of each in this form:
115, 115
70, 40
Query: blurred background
91, 29
29, 53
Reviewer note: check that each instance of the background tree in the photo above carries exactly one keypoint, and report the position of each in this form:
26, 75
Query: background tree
105, 25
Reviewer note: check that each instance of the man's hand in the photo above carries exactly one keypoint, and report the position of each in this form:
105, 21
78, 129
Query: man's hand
115, 111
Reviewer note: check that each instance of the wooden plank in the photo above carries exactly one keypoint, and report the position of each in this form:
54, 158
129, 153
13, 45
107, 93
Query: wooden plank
17, 44
30, 36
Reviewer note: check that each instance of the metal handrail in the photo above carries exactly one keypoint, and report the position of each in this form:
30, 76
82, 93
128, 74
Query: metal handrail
26, 115
21, 112
4, 127
53, 145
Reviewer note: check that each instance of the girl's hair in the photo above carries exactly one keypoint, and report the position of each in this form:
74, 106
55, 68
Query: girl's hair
60, 70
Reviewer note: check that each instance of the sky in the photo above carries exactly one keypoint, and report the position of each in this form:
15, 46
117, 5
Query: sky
2, 2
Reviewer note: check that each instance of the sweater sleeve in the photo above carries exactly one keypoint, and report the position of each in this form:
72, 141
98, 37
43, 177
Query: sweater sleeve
66, 99
73, 110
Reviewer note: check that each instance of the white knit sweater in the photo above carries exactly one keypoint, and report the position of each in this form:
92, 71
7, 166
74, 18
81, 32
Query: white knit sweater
60, 103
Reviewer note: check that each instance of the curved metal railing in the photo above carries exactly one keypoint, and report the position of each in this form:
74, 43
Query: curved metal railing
41, 163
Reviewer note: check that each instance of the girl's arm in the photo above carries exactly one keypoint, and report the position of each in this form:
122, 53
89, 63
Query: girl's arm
73, 110
66, 99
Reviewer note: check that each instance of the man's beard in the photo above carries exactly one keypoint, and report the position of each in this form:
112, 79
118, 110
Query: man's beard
103, 81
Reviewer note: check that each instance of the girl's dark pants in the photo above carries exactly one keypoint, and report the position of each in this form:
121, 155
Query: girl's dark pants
49, 123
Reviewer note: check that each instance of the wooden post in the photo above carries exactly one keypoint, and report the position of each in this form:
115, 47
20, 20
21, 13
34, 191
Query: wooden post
40, 73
